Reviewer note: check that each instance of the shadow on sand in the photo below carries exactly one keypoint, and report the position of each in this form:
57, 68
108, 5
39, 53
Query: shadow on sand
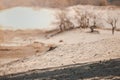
102, 69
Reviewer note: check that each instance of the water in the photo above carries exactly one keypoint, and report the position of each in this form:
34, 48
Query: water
26, 18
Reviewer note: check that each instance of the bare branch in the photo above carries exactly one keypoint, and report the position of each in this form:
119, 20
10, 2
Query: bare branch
64, 21
112, 20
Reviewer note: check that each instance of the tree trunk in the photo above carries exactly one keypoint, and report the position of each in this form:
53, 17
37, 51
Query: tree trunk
61, 28
92, 29
64, 27
113, 30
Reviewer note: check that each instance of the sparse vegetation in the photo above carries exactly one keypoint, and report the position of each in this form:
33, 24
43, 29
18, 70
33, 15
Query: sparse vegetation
92, 18
85, 18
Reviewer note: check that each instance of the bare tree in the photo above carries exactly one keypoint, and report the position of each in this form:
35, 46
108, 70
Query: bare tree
112, 20
113, 23
95, 18
82, 18
94, 24
61, 17
64, 21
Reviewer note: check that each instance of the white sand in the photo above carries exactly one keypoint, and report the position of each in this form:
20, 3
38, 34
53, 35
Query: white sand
77, 47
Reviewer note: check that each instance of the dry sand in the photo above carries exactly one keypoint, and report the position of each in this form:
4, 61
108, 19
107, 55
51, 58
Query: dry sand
75, 50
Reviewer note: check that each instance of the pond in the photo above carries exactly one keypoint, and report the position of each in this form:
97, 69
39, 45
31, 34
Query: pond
26, 18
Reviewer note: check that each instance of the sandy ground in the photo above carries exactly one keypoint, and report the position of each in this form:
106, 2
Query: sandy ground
76, 55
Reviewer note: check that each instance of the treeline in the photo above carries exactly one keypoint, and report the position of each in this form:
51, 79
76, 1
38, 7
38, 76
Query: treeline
50, 3
87, 18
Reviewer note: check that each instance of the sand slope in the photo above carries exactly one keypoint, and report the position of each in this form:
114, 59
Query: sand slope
73, 47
